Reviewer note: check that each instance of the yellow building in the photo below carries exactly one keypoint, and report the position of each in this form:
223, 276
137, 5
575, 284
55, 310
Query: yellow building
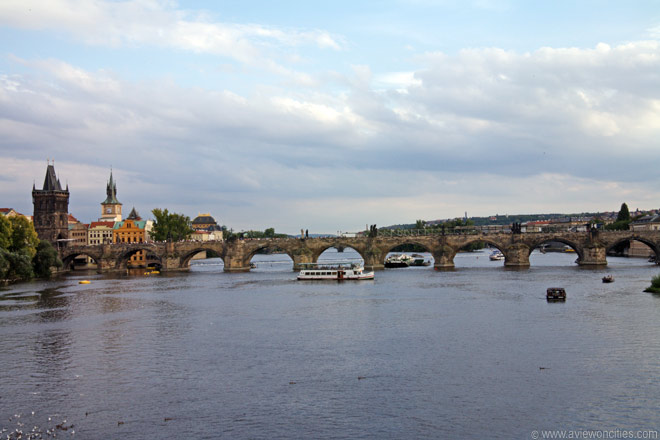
131, 230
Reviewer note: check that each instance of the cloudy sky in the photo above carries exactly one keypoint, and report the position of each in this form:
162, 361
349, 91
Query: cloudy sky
332, 115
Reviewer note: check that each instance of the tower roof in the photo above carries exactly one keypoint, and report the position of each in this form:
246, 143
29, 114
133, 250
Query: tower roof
111, 192
134, 215
51, 183
203, 219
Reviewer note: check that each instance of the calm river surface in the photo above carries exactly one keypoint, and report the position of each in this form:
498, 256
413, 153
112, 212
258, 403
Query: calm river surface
416, 353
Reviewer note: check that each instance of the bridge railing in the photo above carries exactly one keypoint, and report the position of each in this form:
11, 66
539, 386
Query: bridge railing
473, 230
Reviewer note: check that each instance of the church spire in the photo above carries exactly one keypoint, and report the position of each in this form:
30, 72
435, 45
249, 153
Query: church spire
111, 192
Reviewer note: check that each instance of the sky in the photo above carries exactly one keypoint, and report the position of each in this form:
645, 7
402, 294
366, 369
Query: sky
331, 116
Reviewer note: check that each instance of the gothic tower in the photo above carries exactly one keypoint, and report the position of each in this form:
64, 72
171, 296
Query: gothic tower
110, 207
51, 209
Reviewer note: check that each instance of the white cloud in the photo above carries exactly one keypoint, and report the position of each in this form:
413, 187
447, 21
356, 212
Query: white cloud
654, 32
158, 24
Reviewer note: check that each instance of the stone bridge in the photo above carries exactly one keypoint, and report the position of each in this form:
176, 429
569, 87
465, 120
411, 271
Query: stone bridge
591, 248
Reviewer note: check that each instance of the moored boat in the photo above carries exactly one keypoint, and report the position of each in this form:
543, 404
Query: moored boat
555, 294
608, 279
418, 260
334, 271
398, 260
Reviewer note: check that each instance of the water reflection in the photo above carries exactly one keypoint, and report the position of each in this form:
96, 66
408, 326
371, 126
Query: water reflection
417, 353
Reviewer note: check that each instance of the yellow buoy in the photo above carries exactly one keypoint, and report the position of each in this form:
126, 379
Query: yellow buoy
84, 282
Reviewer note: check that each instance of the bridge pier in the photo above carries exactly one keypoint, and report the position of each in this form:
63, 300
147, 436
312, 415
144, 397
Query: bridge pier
170, 263
516, 255
374, 256
443, 258
233, 264
593, 255
301, 258
373, 264
105, 265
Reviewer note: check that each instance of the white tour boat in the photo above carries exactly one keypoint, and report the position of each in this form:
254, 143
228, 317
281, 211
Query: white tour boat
334, 271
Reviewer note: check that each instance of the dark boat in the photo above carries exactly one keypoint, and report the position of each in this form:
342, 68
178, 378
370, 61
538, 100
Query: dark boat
418, 260
608, 279
555, 294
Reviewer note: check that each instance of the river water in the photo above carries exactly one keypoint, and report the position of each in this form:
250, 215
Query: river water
472, 353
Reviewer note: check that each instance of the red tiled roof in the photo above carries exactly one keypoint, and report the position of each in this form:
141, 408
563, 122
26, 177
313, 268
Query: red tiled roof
97, 224
6, 211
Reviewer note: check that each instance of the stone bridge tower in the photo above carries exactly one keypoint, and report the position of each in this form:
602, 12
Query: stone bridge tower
51, 208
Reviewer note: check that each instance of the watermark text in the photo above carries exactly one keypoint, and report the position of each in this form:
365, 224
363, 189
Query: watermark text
648, 434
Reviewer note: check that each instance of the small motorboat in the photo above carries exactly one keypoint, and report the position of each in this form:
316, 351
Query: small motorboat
496, 256
608, 279
84, 282
555, 294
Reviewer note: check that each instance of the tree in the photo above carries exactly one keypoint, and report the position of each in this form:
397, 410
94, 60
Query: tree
420, 224
269, 233
624, 213
5, 232
15, 265
622, 220
4, 263
22, 254
23, 236
45, 258
170, 227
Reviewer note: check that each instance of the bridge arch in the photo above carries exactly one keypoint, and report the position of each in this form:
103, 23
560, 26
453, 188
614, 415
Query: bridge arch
653, 246
316, 253
408, 241
492, 243
121, 261
576, 247
68, 259
189, 254
268, 245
